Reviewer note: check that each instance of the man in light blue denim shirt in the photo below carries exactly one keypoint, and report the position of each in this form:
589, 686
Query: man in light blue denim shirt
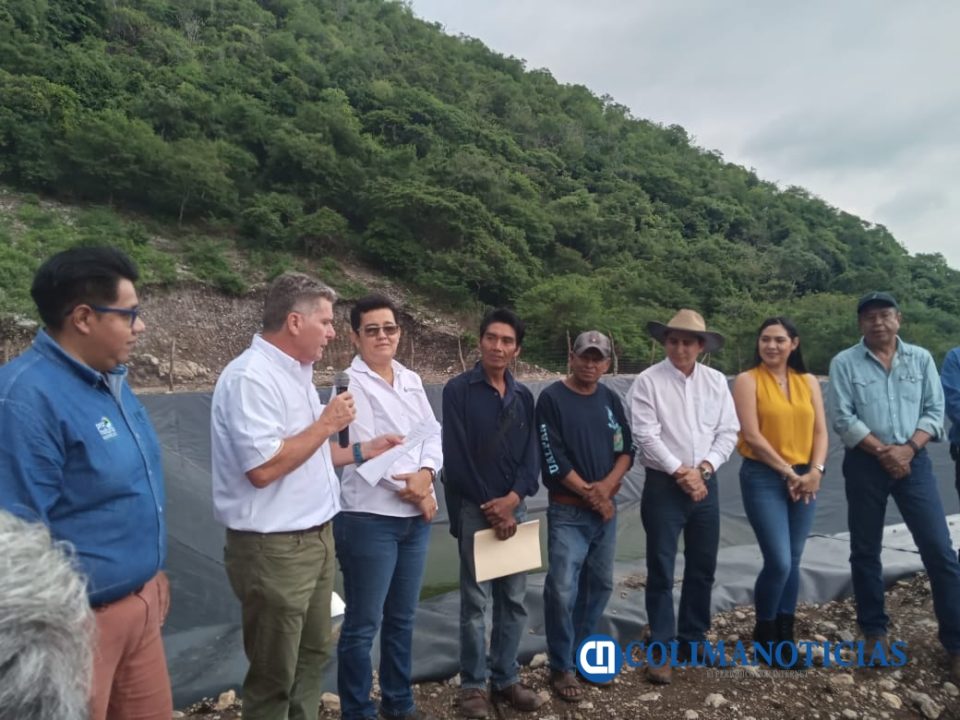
886, 404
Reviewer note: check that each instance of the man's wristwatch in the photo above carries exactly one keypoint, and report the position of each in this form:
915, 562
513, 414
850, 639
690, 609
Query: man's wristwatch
433, 473
821, 468
705, 472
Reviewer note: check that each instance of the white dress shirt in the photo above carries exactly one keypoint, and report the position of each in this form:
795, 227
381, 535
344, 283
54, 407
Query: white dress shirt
262, 397
383, 408
682, 420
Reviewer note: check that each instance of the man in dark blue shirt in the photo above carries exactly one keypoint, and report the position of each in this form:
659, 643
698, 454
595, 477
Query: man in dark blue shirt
491, 465
586, 450
950, 378
80, 455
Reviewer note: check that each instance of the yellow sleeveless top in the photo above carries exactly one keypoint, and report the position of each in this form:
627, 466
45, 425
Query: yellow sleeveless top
787, 424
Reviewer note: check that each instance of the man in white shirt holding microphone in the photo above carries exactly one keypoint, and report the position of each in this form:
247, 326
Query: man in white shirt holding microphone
275, 489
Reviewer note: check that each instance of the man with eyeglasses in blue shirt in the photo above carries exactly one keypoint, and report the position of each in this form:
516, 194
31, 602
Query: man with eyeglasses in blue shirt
886, 404
80, 455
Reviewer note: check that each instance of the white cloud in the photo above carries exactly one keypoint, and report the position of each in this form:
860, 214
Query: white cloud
857, 101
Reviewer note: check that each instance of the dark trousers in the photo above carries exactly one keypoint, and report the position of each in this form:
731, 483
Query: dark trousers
955, 454
667, 511
868, 486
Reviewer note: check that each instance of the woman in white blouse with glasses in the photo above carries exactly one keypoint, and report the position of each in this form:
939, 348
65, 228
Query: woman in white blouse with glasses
384, 529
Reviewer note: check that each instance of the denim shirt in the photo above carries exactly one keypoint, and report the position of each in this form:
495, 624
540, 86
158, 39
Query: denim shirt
80, 455
951, 391
864, 398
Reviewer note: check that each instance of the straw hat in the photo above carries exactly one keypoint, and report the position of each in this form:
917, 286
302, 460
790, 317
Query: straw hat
689, 321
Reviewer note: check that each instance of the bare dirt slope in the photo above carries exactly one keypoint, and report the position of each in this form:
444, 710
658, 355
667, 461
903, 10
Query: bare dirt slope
201, 330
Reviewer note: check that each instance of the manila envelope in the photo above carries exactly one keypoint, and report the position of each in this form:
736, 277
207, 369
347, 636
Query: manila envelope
495, 558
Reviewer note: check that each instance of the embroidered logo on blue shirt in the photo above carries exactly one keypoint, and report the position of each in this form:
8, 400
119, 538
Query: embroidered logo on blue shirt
106, 429
617, 431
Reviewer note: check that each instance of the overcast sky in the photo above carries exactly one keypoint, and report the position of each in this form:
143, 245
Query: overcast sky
856, 100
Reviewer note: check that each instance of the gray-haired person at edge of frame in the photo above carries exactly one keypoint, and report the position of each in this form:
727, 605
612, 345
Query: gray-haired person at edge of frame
46, 627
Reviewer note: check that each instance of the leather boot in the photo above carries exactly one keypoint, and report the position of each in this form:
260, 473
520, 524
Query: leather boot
785, 628
785, 634
765, 634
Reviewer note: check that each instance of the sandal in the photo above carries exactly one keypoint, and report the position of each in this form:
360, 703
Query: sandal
565, 686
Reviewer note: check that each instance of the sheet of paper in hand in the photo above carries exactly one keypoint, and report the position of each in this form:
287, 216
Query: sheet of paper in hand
375, 468
495, 558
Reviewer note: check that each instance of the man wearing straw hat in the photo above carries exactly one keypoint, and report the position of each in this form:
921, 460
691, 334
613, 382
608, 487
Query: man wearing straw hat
685, 427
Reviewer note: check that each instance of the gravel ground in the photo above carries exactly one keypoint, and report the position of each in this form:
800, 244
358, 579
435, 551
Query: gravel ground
919, 689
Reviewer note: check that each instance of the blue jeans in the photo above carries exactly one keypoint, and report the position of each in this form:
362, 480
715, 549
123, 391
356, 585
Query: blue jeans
666, 511
382, 559
868, 486
509, 614
781, 526
579, 578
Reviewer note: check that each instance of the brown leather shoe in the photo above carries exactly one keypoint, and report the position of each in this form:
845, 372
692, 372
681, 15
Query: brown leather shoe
660, 675
519, 697
473, 703
955, 668
870, 643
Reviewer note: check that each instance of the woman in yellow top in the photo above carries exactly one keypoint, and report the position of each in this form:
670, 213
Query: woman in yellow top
783, 440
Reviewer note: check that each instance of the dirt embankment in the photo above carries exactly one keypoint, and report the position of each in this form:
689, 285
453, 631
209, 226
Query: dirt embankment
201, 330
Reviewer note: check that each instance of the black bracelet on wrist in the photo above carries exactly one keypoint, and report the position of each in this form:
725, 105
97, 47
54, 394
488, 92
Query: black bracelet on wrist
913, 445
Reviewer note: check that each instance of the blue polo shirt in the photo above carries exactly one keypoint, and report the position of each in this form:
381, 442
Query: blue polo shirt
79, 454
489, 442
863, 397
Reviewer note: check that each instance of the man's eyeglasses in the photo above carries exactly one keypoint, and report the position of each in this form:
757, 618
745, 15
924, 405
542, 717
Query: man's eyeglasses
372, 331
134, 312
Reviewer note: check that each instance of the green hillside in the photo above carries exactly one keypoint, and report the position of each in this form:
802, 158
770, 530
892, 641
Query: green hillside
328, 128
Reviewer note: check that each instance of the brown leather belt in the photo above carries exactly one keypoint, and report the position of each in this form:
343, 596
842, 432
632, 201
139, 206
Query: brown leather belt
572, 500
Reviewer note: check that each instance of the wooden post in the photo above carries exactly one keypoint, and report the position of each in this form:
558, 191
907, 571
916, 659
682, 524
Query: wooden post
413, 352
173, 356
613, 354
569, 350
6, 350
463, 363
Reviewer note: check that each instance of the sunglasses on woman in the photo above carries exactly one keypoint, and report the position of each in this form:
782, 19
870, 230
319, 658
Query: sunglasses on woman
372, 331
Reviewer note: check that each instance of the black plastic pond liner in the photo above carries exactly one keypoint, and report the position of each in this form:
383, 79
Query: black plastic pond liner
202, 634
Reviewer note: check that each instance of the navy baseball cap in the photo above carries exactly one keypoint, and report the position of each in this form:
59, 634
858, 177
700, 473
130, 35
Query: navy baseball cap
878, 299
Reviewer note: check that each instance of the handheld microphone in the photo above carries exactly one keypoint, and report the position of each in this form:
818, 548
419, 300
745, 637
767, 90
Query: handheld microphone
341, 382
